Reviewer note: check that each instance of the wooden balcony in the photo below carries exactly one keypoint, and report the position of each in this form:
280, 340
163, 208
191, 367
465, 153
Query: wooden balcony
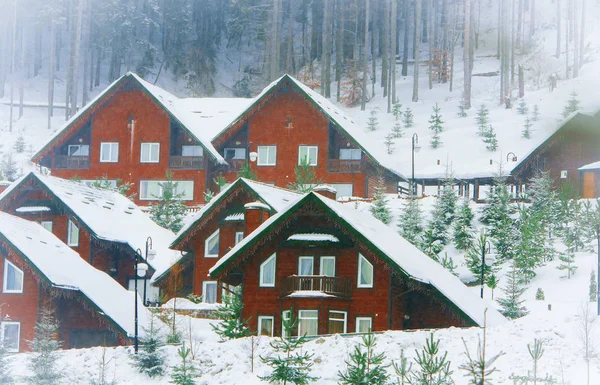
236, 164
186, 162
345, 166
72, 162
317, 284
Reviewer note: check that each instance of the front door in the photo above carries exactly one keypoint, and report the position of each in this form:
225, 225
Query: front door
589, 190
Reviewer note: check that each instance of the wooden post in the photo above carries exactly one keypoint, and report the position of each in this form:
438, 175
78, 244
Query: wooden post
476, 190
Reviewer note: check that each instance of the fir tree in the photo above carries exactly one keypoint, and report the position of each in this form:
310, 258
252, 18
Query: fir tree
479, 366
170, 210
389, 143
230, 313
544, 199
522, 108
397, 110
9, 167
432, 243
306, 178
103, 367
511, 304
6, 377
531, 245
482, 119
246, 172
184, 373
43, 362
526, 133
119, 186
220, 181
593, 288
364, 365
19, 145
373, 121
150, 360
572, 105
398, 130
448, 263
380, 208
410, 222
462, 111
567, 259
539, 294
432, 367
208, 195
489, 138
473, 259
436, 124
408, 118
403, 369
448, 198
463, 227
435, 141
492, 283
535, 114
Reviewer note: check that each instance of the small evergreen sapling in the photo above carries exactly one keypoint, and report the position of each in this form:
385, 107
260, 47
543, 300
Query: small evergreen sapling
103, 368
463, 227
567, 259
482, 119
185, 373
19, 145
170, 210
398, 130
246, 172
435, 141
462, 111
539, 294
373, 121
9, 167
306, 177
522, 108
364, 365
230, 313
380, 208
432, 367
593, 288
403, 369
408, 118
473, 259
479, 367
43, 362
397, 111
511, 305
410, 223
492, 283
489, 138
389, 143
150, 360
572, 105
535, 113
526, 133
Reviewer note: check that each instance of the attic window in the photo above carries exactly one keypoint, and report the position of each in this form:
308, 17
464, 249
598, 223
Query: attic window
13, 278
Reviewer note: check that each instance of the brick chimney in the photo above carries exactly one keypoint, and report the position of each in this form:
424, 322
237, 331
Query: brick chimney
326, 190
256, 213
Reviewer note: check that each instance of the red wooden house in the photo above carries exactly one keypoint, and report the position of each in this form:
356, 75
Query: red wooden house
137, 132
339, 270
39, 272
102, 226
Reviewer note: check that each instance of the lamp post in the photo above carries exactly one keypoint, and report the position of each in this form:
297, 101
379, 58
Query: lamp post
150, 255
485, 260
513, 158
140, 269
415, 148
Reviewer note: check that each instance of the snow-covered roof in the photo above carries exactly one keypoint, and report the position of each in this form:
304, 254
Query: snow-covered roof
234, 217
400, 253
109, 215
313, 237
591, 166
63, 268
257, 205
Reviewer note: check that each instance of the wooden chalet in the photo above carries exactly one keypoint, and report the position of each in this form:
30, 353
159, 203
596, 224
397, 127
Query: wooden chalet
137, 133
340, 271
38, 272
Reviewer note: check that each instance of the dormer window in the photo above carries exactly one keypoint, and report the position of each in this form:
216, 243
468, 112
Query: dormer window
79, 150
235, 153
13, 278
211, 245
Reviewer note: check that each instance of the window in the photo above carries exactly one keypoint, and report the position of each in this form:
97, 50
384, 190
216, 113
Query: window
309, 154
265, 325
365, 272
79, 150
211, 245
327, 267
337, 322
239, 235
11, 333
235, 153
48, 225
267, 272
13, 278
109, 152
72, 234
350, 153
364, 324
209, 291
150, 152
342, 190
152, 189
267, 155
306, 265
192, 151
308, 323
286, 316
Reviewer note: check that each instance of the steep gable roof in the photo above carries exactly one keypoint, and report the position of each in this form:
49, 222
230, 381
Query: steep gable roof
63, 268
395, 250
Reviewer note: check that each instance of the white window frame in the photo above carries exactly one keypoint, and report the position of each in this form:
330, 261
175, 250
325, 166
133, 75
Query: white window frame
70, 226
300, 318
79, 147
268, 149
8, 263
238, 153
261, 281
360, 319
306, 257
328, 257
351, 152
103, 151
308, 149
345, 320
286, 315
2, 326
239, 235
194, 147
150, 145
44, 224
205, 285
358, 283
207, 240
259, 328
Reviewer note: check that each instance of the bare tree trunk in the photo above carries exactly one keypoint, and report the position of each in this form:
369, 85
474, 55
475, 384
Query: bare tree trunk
13, 64
74, 92
339, 47
532, 20
453, 38
431, 21
365, 58
70, 45
520, 25
290, 42
326, 54
558, 21
415, 96
406, 18
385, 57
374, 33
575, 41
567, 36
51, 70
521, 81
274, 42
87, 59
512, 43
466, 56
22, 70
394, 49
582, 35
499, 39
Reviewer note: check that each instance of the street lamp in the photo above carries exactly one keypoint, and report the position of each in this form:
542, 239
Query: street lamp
513, 158
488, 260
150, 255
415, 148
140, 269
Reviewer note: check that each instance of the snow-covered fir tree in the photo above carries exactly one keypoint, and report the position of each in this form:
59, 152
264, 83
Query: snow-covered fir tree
492, 283
305, 177
539, 294
373, 121
185, 373
489, 138
9, 167
389, 143
436, 124
511, 305
170, 210
544, 200
593, 287
482, 120
150, 359
462, 111
6, 376
479, 367
535, 113
432, 366
364, 365
408, 118
231, 324
448, 198
448, 263
463, 226
398, 130
410, 223
567, 259
522, 108
43, 363
435, 141
246, 172
397, 110
572, 105
380, 208
531, 246
19, 145
526, 133
403, 369
473, 259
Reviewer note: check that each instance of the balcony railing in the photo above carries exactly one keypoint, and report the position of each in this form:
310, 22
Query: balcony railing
236, 164
345, 166
72, 162
186, 162
335, 286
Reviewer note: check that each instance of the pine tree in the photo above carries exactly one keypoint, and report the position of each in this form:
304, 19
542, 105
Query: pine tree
482, 119
567, 259
6, 377
511, 304
184, 373
436, 124
389, 143
432, 367
410, 223
462, 111
231, 324
539, 294
397, 110
19, 145
448, 263
398, 130
492, 283
246, 172
526, 133
150, 360
373, 121
463, 227
170, 210
489, 138
364, 366
9, 167
593, 288
448, 198
572, 105
43, 363
380, 208
435, 141
535, 114
408, 118
103, 367
306, 177
403, 369
473, 259
531, 245
119, 186
479, 366
522, 108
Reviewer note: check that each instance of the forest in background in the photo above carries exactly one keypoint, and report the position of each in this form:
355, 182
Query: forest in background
354, 45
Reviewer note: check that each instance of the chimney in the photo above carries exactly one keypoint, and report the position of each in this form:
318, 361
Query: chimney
256, 213
326, 191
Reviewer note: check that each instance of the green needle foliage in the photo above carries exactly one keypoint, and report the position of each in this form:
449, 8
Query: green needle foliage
230, 313
364, 365
185, 373
433, 368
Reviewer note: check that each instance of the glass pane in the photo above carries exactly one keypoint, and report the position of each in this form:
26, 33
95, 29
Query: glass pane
350, 154
73, 234
11, 336
313, 155
263, 155
301, 154
14, 278
47, 225
154, 153
210, 292
79, 150
266, 326
213, 245
238, 237
272, 154
186, 188
305, 266
114, 153
191, 150
337, 322
285, 316
309, 322
268, 272
145, 152
363, 325
328, 266
366, 272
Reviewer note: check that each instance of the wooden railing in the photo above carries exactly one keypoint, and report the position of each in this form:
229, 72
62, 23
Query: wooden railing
236, 164
186, 162
72, 162
336, 286
345, 166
